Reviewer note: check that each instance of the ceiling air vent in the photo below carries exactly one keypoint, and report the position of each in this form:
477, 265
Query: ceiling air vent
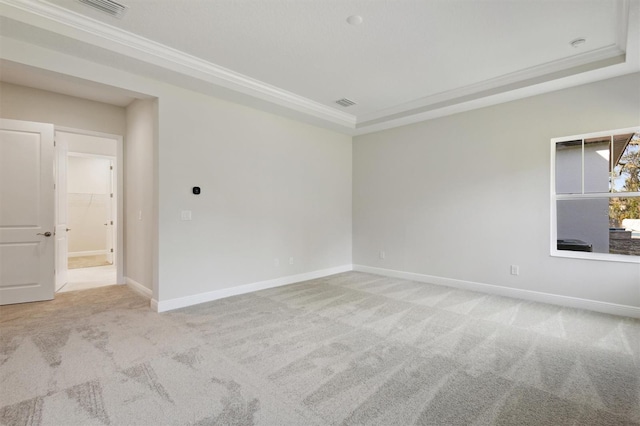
345, 102
107, 6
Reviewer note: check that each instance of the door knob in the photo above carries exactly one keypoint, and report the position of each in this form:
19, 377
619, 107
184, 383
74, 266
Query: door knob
68, 229
46, 234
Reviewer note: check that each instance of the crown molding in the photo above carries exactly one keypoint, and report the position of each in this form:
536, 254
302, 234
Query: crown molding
512, 79
83, 28
495, 99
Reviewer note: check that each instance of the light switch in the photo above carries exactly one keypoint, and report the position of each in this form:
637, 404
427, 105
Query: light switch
185, 215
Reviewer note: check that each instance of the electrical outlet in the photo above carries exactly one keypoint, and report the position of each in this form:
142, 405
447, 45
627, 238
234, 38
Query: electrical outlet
185, 215
515, 270
139, 214
291, 261
382, 254
276, 262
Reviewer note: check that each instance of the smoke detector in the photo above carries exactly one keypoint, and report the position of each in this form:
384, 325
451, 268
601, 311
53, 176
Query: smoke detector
110, 7
354, 19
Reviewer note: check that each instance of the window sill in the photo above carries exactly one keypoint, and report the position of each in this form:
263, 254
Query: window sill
607, 257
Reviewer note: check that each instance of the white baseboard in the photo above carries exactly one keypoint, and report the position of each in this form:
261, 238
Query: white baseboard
181, 302
86, 253
535, 296
138, 288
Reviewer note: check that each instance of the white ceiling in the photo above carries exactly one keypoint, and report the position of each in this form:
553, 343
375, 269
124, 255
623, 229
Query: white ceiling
408, 60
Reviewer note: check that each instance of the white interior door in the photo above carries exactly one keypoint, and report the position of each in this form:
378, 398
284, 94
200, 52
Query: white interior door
61, 237
26, 212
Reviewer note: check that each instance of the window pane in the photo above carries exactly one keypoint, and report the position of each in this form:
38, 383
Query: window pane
626, 157
624, 218
597, 164
601, 225
584, 222
569, 167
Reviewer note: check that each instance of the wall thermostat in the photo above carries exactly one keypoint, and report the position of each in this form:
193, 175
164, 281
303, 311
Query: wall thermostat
196, 190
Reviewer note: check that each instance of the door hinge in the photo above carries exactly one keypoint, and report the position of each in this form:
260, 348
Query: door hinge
112, 222
111, 250
54, 143
112, 195
110, 167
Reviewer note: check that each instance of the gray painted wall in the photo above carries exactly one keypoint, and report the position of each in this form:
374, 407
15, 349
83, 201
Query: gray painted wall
272, 188
140, 165
468, 195
276, 187
26, 103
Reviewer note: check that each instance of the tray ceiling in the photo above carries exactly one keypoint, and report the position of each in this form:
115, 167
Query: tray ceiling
406, 60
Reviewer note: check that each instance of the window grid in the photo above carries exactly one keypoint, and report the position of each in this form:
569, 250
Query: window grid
555, 197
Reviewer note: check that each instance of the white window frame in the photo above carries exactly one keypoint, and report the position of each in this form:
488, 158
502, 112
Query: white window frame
555, 197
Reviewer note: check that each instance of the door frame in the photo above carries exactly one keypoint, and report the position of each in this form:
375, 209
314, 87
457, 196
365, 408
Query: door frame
118, 191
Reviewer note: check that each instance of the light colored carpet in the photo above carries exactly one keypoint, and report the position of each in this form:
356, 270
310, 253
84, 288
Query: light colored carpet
351, 349
87, 261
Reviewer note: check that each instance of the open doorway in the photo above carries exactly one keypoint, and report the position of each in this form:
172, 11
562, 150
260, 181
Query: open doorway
91, 221
87, 243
